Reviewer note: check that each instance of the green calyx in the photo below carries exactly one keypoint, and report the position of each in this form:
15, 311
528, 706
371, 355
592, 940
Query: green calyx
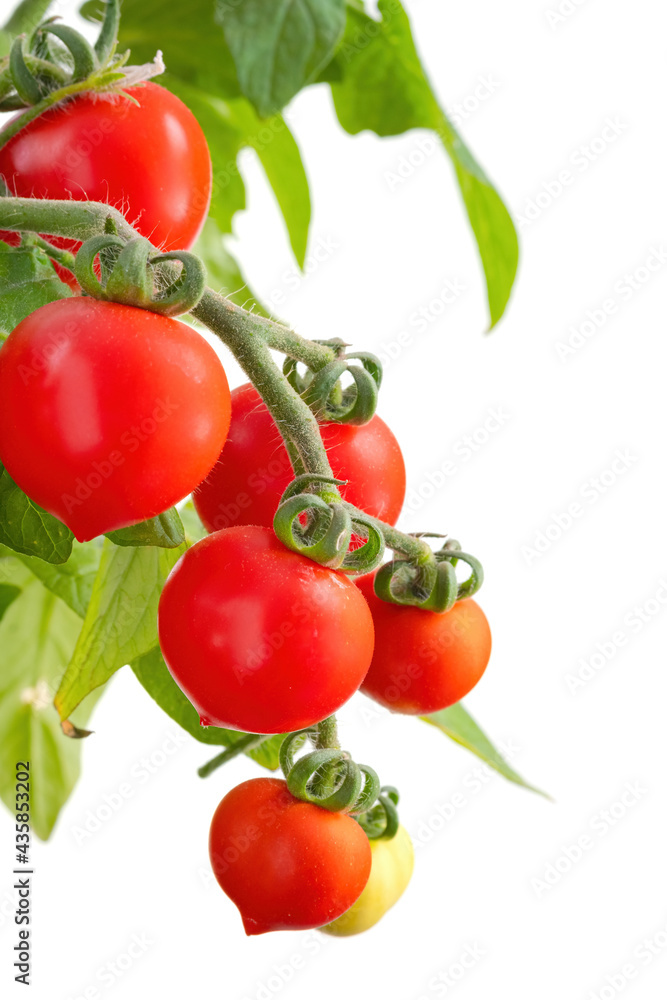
431, 585
324, 394
325, 533
57, 60
130, 274
327, 776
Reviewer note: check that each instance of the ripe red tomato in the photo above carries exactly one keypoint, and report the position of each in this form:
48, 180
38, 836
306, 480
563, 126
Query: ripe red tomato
286, 864
108, 414
260, 638
150, 161
424, 661
254, 468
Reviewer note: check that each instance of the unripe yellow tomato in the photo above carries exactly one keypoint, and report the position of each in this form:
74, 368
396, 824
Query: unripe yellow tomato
391, 870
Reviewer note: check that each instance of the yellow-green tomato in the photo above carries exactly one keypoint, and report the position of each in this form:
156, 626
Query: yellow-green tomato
391, 870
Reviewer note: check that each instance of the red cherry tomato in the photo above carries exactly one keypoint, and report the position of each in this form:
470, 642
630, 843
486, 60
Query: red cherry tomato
424, 661
150, 161
260, 638
108, 414
286, 864
254, 468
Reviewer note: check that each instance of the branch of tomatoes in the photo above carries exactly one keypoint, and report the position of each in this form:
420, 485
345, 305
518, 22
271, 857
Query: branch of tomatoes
417, 574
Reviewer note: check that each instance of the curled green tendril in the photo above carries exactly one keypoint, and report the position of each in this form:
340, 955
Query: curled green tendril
381, 821
326, 535
432, 585
355, 788
323, 393
128, 275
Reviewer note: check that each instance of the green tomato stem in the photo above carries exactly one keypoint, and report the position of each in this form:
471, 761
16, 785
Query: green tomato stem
63, 257
248, 742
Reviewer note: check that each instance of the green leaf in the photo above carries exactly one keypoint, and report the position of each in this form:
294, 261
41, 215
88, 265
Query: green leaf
223, 273
189, 35
27, 528
152, 673
166, 531
72, 581
194, 529
27, 281
37, 635
229, 127
456, 723
280, 157
8, 594
280, 45
121, 620
385, 89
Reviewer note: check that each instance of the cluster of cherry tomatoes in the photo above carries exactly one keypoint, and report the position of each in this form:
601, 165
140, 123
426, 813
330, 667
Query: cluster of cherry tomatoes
111, 414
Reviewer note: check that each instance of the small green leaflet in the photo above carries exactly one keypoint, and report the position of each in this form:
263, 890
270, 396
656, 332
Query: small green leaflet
27, 281
72, 581
456, 723
151, 672
279, 46
121, 620
37, 636
384, 88
28, 528
166, 531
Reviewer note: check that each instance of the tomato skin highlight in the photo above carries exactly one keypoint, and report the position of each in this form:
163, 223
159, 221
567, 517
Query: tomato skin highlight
259, 638
108, 414
424, 661
286, 864
254, 468
393, 862
150, 161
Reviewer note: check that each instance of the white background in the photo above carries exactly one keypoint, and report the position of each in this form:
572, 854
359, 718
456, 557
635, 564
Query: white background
479, 879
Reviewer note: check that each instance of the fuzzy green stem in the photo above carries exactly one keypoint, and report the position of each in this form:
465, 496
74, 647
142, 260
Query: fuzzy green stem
63, 257
326, 738
327, 734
